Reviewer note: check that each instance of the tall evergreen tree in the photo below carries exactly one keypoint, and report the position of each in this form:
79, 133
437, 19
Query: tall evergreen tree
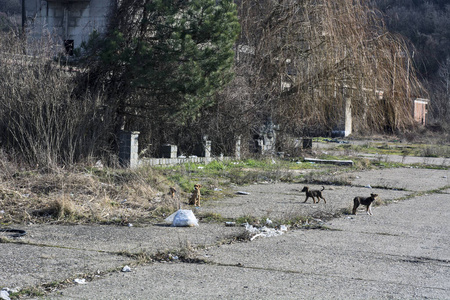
164, 60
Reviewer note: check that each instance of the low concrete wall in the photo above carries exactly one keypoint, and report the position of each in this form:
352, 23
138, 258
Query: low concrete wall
129, 157
176, 161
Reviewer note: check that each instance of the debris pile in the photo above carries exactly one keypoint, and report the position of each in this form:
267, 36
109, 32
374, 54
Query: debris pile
264, 231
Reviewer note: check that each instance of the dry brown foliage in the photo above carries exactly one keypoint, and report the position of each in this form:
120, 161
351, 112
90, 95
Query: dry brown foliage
42, 120
297, 62
84, 196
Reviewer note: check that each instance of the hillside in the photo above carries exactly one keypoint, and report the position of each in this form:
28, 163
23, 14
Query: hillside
426, 25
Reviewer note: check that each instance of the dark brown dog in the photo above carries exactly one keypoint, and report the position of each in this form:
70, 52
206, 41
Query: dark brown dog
314, 194
367, 201
195, 197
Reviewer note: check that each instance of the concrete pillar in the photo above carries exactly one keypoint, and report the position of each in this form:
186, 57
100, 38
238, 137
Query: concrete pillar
348, 116
207, 149
237, 149
128, 149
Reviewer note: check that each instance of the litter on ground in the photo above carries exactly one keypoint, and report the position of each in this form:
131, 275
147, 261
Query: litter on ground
264, 231
182, 218
242, 193
126, 269
80, 280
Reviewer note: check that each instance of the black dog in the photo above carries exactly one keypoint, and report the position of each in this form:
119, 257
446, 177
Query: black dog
367, 201
314, 194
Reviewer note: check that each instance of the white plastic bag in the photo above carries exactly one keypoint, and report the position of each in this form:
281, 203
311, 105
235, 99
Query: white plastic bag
4, 295
182, 218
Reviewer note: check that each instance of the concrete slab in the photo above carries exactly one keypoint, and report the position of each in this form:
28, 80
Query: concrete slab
284, 201
408, 160
401, 252
330, 161
186, 281
366, 257
23, 265
411, 179
51, 253
116, 239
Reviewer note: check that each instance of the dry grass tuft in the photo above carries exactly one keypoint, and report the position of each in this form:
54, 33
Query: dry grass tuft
84, 196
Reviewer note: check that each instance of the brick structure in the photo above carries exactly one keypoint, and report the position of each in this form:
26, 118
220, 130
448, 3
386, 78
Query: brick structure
420, 110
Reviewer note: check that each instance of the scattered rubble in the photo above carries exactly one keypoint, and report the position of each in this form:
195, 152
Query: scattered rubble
264, 231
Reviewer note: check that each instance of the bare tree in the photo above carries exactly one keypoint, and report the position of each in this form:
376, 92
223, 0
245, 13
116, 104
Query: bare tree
298, 61
40, 119
440, 110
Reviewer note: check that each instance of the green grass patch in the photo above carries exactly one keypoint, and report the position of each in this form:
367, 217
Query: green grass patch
390, 165
418, 194
28, 292
247, 219
209, 217
395, 148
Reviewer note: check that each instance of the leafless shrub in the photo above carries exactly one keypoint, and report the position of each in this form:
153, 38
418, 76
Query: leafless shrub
8, 167
298, 62
41, 119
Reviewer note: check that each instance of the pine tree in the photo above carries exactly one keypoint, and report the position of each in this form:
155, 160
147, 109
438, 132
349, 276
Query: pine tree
164, 60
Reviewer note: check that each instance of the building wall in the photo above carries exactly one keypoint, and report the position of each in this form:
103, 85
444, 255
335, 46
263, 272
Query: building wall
420, 110
68, 20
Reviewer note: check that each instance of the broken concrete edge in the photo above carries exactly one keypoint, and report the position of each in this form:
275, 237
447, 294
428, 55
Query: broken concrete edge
330, 161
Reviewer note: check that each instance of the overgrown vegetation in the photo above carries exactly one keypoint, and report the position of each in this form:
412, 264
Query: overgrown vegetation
85, 196
395, 148
163, 62
93, 194
299, 61
425, 25
43, 123
166, 69
163, 69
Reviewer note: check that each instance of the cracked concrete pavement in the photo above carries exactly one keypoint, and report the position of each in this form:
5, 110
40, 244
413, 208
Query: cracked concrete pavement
401, 252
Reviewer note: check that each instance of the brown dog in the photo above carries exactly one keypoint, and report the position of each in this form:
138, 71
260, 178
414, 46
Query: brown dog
367, 201
172, 192
314, 194
195, 197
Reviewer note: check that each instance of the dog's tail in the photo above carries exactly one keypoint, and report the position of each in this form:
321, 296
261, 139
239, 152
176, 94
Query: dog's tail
322, 188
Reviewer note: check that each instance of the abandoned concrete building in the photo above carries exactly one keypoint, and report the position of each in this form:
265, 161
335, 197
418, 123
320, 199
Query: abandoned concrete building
72, 21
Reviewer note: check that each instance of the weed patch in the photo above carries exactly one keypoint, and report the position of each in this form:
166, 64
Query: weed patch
209, 217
